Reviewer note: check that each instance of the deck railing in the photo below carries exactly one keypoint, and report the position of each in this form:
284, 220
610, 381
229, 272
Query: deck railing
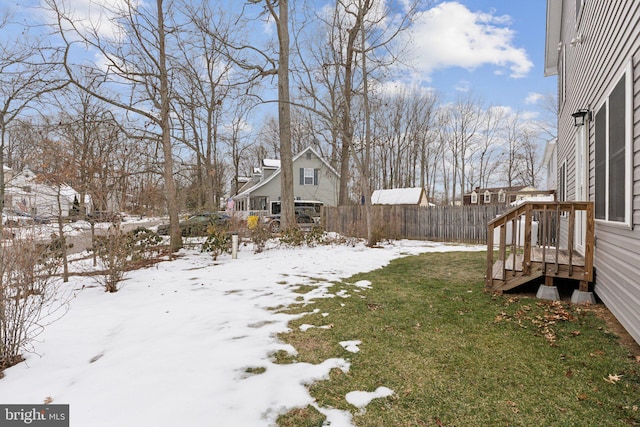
555, 237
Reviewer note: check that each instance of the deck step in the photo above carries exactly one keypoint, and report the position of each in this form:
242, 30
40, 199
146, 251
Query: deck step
518, 280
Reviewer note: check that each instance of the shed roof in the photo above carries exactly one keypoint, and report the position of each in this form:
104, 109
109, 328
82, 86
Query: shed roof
397, 196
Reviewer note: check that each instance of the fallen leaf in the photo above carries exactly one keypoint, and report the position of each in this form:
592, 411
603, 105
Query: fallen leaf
575, 333
48, 400
582, 397
612, 379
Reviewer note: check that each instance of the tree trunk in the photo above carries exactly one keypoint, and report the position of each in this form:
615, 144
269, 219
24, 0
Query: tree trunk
284, 119
165, 125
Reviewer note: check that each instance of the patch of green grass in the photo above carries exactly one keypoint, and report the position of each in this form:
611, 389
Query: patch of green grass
302, 417
457, 356
255, 370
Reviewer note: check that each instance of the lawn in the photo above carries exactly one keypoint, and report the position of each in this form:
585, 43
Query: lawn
456, 356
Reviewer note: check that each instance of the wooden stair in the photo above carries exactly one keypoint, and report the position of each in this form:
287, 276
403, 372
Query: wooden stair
521, 260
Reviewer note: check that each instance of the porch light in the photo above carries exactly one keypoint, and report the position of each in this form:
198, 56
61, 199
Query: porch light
580, 117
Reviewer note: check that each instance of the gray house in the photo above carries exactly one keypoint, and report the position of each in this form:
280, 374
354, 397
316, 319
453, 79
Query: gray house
315, 181
593, 47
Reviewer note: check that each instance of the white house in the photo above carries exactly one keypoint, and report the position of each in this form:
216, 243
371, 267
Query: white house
314, 181
25, 191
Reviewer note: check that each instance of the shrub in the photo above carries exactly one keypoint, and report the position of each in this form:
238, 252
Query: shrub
28, 296
143, 243
292, 236
314, 236
259, 235
218, 241
115, 256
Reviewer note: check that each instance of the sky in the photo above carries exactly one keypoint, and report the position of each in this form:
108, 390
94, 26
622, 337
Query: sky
189, 342
495, 49
491, 48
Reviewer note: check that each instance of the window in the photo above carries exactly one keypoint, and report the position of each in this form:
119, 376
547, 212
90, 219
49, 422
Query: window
613, 154
474, 197
309, 176
502, 196
487, 197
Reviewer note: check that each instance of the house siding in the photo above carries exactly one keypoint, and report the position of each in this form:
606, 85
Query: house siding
611, 40
325, 191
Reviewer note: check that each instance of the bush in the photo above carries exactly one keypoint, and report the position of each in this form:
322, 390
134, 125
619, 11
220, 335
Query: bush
115, 256
292, 236
314, 236
259, 235
144, 244
218, 241
28, 296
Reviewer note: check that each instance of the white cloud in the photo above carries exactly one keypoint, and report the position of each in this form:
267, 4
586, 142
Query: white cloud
450, 35
463, 86
533, 98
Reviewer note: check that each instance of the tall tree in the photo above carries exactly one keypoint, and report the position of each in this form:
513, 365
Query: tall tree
27, 71
134, 66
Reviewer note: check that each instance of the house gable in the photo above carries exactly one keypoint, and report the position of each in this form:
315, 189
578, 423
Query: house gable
323, 188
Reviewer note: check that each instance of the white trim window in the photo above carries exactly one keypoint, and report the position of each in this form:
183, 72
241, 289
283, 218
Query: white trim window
487, 197
613, 154
502, 196
309, 176
474, 197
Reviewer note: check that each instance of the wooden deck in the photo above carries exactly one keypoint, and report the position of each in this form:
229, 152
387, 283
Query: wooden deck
519, 262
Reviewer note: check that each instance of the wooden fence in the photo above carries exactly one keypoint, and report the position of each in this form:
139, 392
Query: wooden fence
466, 224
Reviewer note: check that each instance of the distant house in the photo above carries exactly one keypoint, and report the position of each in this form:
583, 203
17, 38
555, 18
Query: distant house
500, 195
27, 192
415, 196
314, 180
593, 49
550, 166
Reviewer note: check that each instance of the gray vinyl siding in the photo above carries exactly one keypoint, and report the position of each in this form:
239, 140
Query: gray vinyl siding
611, 39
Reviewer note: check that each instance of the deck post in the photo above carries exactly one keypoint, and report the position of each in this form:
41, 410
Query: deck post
589, 244
526, 260
488, 280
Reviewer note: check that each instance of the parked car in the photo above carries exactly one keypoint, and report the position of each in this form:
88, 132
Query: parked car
12, 218
104, 216
196, 225
303, 219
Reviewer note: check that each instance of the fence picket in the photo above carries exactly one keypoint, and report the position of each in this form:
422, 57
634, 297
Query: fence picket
465, 224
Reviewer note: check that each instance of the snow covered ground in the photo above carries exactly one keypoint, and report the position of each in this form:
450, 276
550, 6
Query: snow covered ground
184, 343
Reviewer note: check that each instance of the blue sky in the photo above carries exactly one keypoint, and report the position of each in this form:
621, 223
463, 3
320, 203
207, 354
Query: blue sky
493, 48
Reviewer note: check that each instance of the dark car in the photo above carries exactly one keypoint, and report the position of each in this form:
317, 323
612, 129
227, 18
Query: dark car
196, 225
104, 216
304, 221
14, 217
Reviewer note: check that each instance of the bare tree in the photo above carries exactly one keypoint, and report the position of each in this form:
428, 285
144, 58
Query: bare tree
138, 56
463, 119
488, 142
27, 71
